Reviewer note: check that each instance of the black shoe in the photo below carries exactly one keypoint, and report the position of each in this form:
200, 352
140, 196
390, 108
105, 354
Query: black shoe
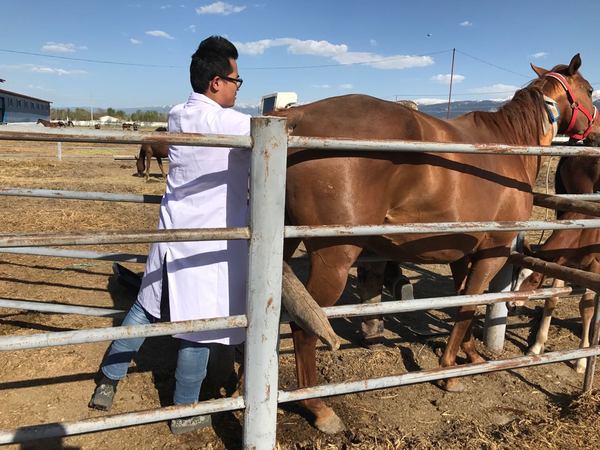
103, 397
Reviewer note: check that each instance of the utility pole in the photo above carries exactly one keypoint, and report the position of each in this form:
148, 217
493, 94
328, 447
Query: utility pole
91, 109
451, 77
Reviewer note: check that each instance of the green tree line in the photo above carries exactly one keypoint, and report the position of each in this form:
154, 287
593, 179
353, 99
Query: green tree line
84, 114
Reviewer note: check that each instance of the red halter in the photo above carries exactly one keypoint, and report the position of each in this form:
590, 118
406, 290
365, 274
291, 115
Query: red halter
576, 107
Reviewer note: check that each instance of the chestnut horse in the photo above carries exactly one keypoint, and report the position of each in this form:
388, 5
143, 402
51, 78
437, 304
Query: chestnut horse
578, 248
49, 124
371, 187
145, 154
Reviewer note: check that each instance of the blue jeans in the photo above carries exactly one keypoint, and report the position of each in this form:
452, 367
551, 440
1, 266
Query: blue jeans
192, 359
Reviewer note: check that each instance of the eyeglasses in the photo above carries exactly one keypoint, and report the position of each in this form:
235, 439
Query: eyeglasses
238, 81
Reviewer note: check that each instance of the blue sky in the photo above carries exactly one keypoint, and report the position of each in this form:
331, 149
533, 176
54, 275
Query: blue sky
388, 49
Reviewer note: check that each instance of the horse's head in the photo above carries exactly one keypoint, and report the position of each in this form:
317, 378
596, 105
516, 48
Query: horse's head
569, 98
140, 161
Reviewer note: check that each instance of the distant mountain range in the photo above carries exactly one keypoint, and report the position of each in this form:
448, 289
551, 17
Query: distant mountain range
437, 110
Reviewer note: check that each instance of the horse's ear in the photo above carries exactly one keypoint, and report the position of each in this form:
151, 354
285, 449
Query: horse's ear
540, 72
574, 65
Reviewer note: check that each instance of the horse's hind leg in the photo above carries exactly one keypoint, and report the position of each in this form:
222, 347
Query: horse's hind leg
480, 274
369, 285
328, 276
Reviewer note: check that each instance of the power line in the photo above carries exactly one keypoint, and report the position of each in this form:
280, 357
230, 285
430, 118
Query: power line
494, 65
116, 63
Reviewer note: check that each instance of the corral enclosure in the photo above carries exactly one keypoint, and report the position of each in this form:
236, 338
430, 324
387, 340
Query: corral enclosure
536, 407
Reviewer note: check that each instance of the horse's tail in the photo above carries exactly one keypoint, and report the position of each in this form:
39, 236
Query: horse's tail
559, 185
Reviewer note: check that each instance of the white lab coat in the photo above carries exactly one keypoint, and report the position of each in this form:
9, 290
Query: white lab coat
206, 188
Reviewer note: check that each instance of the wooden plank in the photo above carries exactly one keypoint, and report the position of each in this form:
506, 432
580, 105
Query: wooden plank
565, 204
578, 277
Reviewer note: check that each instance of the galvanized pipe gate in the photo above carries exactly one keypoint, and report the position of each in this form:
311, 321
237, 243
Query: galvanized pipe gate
266, 232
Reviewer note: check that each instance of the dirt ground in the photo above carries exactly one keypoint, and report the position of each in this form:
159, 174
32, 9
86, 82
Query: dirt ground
533, 408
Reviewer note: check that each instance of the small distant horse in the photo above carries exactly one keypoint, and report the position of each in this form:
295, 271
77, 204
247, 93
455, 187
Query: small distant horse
378, 187
147, 151
49, 124
127, 126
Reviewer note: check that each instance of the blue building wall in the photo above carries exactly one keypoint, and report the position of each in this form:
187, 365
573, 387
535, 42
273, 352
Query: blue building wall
22, 108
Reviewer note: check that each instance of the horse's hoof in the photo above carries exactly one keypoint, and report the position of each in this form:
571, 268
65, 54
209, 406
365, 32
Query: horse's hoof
535, 350
331, 425
451, 385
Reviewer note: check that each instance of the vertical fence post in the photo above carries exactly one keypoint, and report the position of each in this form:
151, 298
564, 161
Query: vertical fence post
267, 202
588, 381
59, 151
496, 314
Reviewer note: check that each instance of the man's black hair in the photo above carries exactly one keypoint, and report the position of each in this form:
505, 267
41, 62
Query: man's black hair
211, 60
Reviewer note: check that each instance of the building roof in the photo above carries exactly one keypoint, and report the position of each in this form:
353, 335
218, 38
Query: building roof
2, 91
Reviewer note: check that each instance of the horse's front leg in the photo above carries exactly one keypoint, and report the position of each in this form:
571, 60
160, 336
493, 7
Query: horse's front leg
148, 159
328, 276
542, 335
162, 170
586, 308
480, 274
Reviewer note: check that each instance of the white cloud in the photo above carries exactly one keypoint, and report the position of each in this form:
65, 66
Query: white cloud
466, 23
57, 47
165, 7
538, 55
135, 41
239, 105
320, 86
159, 33
191, 28
495, 89
373, 42
39, 88
596, 95
346, 86
42, 70
338, 52
220, 8
51, 71
445, 79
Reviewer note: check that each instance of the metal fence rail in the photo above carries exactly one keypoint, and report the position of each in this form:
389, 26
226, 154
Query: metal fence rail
269, 148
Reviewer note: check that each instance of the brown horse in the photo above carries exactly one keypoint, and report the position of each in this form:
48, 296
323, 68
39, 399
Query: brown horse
49, 124
147, 151
362, 188
576, 248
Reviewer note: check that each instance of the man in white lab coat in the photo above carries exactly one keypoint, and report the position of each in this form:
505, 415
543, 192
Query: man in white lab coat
206, 188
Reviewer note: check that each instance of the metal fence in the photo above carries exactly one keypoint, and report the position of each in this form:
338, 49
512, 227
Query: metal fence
265, 233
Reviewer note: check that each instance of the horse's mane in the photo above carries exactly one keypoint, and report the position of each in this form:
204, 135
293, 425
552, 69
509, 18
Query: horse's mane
521, 119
